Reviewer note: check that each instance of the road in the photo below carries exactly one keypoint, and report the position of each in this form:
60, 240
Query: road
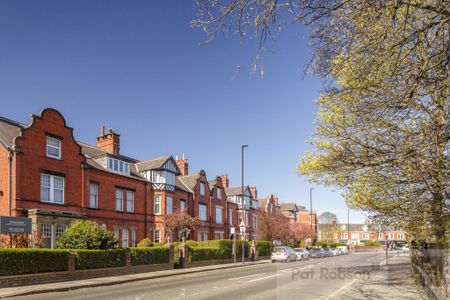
312, 279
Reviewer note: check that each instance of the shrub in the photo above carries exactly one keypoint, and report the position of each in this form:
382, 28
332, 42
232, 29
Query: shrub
264, 248
95, 259
148, 243
149, 255
86, 235
372, 243
25, 261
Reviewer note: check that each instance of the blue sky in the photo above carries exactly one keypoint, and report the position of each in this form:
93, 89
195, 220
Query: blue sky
137, 66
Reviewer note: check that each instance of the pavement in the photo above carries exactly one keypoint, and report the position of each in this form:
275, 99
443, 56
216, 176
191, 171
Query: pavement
393, 281
354, 276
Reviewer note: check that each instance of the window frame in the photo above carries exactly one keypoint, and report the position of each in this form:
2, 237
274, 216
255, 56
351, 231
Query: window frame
157, 197
125, 237
52, 188
130, 201
96, 185
119, 191
159, 236
200, 212
219, 208
169, 206
47, 146
202, 188
219, 193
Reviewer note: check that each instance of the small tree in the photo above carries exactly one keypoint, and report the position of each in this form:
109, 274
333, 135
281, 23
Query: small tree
178, 221
86, 235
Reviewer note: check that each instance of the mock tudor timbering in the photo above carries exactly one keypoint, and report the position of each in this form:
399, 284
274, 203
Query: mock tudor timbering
56, 180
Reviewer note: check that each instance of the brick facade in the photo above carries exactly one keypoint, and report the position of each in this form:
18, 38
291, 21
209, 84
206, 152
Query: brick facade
89, 182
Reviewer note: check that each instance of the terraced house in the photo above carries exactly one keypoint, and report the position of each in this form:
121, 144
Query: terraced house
47, 175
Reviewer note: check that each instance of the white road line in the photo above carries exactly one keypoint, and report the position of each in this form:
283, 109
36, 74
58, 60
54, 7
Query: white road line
330, 296
237, 278
270, 276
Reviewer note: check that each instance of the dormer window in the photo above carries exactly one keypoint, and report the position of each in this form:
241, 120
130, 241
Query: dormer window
53, 148
119, 166
219, 193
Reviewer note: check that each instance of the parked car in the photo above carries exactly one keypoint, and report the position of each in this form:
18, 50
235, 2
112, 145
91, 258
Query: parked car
335, 251
328, 252
316, 253
405, 249
344, 249
302, 253
283, 253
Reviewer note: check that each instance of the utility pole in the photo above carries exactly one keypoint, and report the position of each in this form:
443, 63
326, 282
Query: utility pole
242, 203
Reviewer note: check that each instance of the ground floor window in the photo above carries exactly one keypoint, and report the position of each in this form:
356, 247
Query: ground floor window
124, 237
219, 235
50, 233
202, 236
157, 236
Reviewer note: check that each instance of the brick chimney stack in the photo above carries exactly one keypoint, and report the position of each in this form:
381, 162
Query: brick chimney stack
225, 181
110, 141
254, 192
183, 165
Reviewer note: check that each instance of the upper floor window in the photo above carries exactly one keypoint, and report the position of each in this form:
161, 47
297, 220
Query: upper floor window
219, 214
365, 236
53, 148
230, 216
130, 201
93, 195
119, 199
344, 236
182, 205
157, 205
133, 236
381, 236
202, 189
117, 165
255, 222
202, 212
219, 193
52, 189
400, 236
169, 205
163, 177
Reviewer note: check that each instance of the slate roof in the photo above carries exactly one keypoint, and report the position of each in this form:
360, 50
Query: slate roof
235, 191
180, 185
152, 164
9, 129
287, 206
189, 180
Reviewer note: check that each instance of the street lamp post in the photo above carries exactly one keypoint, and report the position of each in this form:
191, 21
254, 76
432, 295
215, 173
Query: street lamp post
348, 226
242, 202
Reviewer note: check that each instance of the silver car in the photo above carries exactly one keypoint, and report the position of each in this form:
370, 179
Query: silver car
283, 253
302, 253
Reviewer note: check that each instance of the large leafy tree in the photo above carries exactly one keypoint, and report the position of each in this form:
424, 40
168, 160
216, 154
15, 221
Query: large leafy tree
382, 132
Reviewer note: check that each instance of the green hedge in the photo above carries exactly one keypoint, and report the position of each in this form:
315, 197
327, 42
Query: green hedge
264, 248
207, 253
371, 243
149, 255
95, 259
26, 261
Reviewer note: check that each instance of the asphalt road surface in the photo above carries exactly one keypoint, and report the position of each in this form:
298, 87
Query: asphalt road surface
312, 279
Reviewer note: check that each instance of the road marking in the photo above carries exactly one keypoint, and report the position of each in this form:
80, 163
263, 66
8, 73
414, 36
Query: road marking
237, 278
270, 276
339, 290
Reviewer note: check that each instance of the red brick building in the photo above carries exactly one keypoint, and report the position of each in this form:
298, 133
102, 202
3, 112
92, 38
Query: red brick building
47, 175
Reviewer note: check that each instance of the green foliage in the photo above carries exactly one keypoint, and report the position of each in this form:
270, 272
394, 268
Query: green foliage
372, 243
95, 259
148, 243
239, 248
26, 261
207, 253
86, 235
149, 255
264, 248
329, 244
